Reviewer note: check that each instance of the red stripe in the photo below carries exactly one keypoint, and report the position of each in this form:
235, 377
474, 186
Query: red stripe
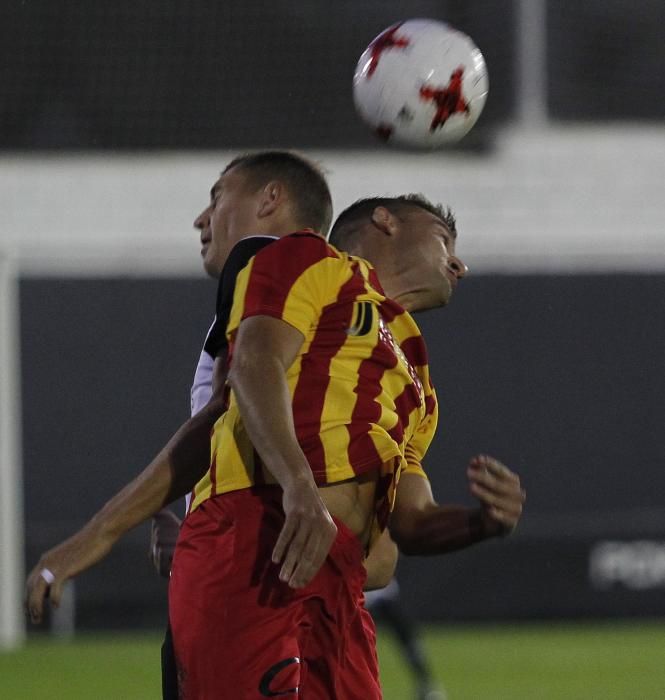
389, 309
367, 409
374, 281
415, 350
406, 402
277, 267
314, 378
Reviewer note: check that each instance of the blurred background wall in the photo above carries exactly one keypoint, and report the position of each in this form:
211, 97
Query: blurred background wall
116, 118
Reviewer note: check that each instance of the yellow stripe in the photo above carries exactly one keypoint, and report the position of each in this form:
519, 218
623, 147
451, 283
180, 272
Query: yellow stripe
239, 293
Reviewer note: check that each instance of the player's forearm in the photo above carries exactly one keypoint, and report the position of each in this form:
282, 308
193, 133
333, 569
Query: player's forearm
140, 499
264, 400
441, 529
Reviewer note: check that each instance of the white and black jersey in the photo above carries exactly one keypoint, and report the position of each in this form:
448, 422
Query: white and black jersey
239, 256
215, 343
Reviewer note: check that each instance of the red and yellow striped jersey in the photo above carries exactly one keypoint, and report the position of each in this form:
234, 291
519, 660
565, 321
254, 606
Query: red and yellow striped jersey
360, 386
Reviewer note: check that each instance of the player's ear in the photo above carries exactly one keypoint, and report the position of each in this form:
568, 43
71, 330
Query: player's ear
384, 220
272, 195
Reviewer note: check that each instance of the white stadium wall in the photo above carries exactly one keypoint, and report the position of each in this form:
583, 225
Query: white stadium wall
569, 198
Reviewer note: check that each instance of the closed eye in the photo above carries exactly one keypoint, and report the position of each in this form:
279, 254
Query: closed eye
214, 195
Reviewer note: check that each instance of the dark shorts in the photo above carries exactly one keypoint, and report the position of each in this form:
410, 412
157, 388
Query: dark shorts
239, 633
169, 669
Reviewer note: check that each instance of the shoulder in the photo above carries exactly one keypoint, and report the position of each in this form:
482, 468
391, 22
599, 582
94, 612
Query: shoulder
291, 257
302, 245
243, 251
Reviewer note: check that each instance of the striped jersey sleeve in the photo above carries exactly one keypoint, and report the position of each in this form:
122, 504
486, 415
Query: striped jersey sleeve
286, 280
414, 451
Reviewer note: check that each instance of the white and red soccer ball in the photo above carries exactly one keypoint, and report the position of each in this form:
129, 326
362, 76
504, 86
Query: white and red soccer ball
421, 83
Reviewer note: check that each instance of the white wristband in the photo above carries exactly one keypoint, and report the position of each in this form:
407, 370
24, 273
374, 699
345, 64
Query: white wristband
47, 575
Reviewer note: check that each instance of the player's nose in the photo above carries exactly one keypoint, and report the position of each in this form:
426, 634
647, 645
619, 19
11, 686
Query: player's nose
457, 267
202, 219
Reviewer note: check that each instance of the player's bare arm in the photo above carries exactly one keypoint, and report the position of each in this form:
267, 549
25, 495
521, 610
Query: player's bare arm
419, 525
264, 349
172, 474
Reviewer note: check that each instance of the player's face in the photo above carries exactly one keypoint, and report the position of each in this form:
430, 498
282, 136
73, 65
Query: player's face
230, 216
434, 264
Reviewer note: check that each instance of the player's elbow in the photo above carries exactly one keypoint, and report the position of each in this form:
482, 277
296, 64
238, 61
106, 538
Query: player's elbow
246, 367
406, 537
406, 545
378, 578
407, 529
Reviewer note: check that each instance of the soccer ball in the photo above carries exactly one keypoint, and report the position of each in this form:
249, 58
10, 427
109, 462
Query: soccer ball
421, 83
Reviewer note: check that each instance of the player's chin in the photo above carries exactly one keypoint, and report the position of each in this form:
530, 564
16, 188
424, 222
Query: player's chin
210, 265
436, 299
446, 292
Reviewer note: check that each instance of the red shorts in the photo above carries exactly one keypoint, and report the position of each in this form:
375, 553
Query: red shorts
239, 633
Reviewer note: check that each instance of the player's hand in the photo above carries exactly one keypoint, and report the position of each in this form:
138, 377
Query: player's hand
500, 494
306, 537
163, 538
59, 564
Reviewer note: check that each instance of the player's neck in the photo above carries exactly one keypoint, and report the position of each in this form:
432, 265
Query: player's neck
398, 287
399, 281
411, 300
278, 227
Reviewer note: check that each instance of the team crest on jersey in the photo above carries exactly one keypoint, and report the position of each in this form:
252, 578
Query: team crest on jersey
363, 318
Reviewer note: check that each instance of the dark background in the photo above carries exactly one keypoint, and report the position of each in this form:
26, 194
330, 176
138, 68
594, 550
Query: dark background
208, 74
558, 376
